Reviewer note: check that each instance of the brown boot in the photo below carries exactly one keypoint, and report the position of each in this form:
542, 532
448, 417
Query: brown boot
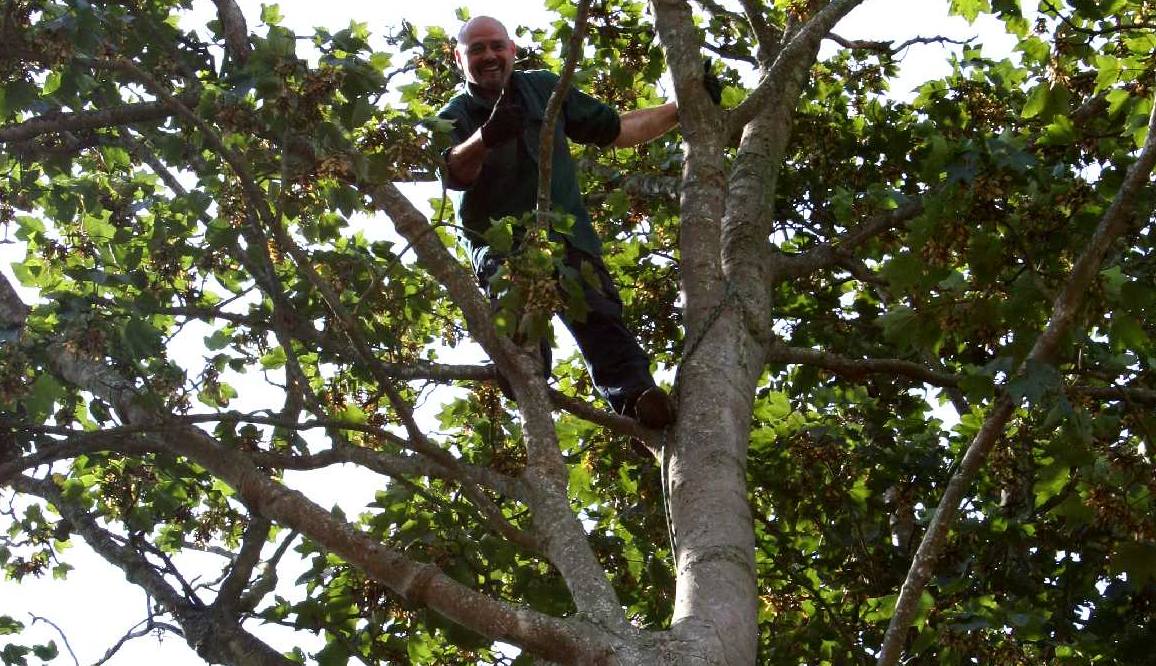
653, 408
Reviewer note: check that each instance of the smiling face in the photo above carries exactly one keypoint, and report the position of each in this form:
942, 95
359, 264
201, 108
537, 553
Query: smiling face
485, 54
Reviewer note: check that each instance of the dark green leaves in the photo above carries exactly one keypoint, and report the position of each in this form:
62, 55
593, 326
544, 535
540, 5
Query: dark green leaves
1138, 561
1046, 100
17, 655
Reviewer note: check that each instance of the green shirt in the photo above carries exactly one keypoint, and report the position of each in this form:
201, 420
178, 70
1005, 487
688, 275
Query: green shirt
508, 183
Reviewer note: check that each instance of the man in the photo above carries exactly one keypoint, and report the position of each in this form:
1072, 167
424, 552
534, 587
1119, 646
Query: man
493, 168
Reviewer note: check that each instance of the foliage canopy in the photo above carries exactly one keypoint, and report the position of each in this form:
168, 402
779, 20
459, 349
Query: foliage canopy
815, 258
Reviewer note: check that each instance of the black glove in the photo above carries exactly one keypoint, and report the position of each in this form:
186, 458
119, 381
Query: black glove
505, 122
711, 82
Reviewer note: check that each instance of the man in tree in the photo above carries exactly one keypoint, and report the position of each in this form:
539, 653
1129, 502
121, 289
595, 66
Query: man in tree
493, 168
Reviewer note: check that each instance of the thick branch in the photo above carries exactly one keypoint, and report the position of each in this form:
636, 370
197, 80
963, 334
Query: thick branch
700, 205
790, 267
547, 475
768, 35
234, 29
87, 120
790, 58
13, 311
622, 425
858, 368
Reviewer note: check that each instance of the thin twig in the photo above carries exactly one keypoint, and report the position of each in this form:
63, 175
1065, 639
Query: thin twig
149, 625
63, 637
887, 47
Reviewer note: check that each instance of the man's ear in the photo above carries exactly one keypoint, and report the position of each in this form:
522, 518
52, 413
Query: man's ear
458, 59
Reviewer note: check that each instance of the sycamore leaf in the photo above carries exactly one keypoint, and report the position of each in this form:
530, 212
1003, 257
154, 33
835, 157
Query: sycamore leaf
969, 9
1138, 560
271, 14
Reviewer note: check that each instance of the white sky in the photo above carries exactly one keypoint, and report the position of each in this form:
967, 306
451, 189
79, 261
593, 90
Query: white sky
95, 606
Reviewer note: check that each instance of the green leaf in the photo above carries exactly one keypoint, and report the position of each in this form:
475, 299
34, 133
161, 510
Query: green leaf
271, 14
1138, 560
1037, 381
380, 61
352, 414
1050, 480
1060, 133
140, 338
1037, 101
46, 652
969, 9
1126, 333
880, 609
274, 359
13, 655
419, 650
1046, 100
223, 488
9, 626
42, 398
500, 236
51, 83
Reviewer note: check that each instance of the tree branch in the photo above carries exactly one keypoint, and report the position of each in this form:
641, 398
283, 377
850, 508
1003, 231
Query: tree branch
622, 425
420, 583
235, 31
856, 369
213, 636
128, 443
348, 325
1144, 25
788, 267
788, 62
149, 626
547, 475
63, 636
730, 54
886, 47
56, 122
769, 36
550, 115
256, 533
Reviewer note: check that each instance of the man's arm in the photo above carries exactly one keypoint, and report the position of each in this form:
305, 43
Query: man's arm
464, 161
642, 125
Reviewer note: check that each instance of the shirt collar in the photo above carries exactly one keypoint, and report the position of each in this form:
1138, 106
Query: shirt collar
479, 103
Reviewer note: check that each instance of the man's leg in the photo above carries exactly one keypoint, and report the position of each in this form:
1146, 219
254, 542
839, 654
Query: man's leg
618, 365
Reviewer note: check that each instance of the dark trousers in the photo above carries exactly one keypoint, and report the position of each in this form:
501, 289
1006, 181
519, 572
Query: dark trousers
617, 364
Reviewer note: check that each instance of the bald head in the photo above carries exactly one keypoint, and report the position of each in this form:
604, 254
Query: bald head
480, 22
485, 54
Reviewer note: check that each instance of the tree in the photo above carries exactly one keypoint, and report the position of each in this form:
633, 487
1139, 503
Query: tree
814, 259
